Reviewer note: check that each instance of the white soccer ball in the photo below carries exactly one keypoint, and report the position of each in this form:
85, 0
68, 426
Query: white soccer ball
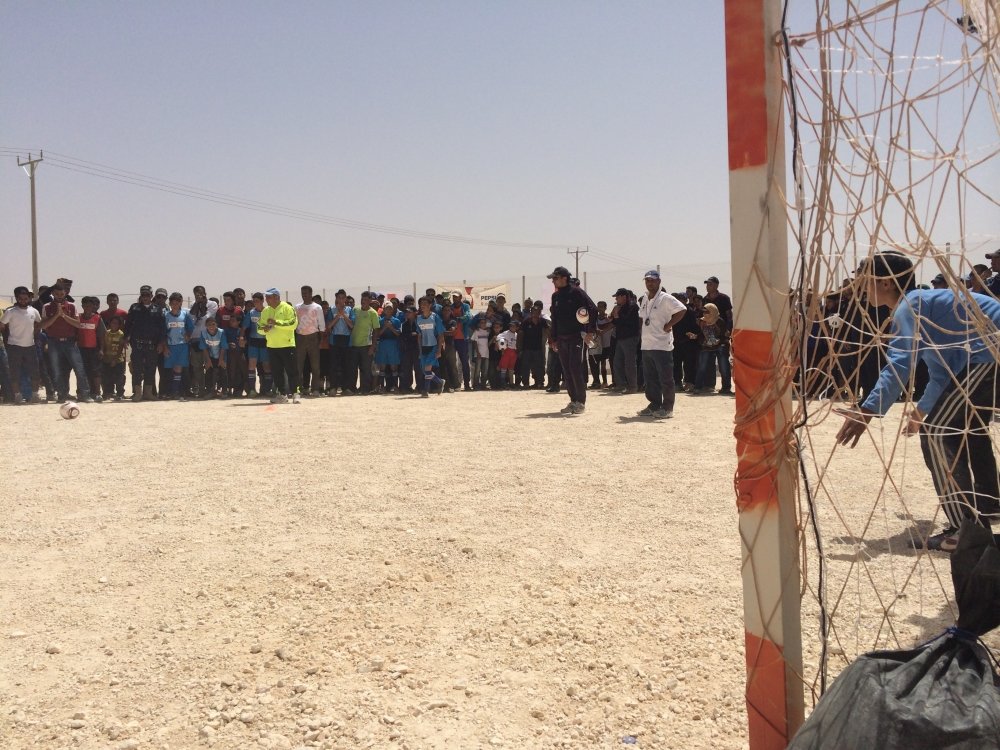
583, 316
501, 344
69, 410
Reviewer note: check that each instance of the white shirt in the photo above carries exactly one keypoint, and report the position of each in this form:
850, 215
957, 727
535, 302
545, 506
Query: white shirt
211, 308
310, 318
654, 314
21, 324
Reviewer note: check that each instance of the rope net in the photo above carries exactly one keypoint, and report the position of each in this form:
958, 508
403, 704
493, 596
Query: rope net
893, 110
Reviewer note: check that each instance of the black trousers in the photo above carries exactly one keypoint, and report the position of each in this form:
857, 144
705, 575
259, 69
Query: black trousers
284, 369
532, 362
340, 361
955, 441
143, 361
572, 359
410, 374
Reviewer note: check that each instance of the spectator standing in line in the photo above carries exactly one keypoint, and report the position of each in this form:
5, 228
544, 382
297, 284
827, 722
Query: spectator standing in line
574, 325
201, 312
725, 305
481, 341
113, 360
144, 333
463, 314
312, 325
339, 329
410, 374
363, 344
90, 337
624, 318
230, 319
659, 313
686, 350
387, 352
712, 336
22, 323
179, 325
60, 323
112, 310
993, 285
277, 323
531, 347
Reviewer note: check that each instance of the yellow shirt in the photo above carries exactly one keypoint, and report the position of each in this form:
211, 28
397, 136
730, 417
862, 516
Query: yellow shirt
282, 334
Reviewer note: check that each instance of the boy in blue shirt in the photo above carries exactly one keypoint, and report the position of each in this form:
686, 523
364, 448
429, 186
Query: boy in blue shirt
256, 348
430, 333
213, 343
180, 324
945, 330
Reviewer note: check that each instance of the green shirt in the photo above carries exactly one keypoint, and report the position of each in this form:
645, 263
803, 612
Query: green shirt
365, 321
282, 335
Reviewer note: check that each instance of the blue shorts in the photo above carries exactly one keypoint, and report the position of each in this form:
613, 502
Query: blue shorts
177, 356
257, 351
428, 357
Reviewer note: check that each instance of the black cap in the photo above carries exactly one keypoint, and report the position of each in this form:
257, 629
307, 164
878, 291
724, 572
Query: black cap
145, 289
712, 280
559, 271
621, 291
939, 279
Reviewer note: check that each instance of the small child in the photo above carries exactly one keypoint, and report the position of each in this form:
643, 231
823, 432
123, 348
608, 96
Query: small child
213, 342
494, 372
506, 344
113, 360
481, 348
180, 325
387, 355
89, 337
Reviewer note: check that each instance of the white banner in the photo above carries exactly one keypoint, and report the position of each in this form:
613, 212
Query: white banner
477, 295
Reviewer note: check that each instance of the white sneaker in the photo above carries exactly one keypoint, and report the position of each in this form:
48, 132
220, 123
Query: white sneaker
295, 399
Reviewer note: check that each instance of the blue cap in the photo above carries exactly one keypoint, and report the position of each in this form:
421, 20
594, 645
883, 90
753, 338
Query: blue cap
272, 291
653, 274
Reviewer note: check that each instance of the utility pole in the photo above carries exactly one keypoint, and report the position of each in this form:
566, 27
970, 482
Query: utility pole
578, 252
29, 169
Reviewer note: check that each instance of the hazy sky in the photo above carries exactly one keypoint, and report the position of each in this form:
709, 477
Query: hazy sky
541, 122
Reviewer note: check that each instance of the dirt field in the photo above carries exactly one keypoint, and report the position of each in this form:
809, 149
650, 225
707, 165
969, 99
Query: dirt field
464, 571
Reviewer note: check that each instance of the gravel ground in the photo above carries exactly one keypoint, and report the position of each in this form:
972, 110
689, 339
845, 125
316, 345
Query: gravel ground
235, 574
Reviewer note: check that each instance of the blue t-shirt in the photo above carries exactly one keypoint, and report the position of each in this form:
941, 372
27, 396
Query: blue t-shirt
340, 328
177, 326
213, 343
942, 328
430, 328
249, 327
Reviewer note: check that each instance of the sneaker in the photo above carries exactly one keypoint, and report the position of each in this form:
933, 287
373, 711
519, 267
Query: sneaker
424, 394
19, 400
946, 541
98, 398
578, 408
726, 392
35, 398
280, 398
568, 409
87, 400
663, 414
649, 411
296, 398
252, 394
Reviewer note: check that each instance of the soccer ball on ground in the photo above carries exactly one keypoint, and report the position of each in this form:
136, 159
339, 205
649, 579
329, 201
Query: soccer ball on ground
69, 410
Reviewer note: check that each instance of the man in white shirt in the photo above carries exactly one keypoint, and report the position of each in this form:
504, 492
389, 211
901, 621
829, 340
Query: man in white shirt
311, 327
22, 322
658, 312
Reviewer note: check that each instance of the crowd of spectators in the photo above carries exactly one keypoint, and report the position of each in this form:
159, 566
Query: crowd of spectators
258, 345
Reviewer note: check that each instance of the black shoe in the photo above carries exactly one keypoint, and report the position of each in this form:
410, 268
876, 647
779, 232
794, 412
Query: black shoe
946, 541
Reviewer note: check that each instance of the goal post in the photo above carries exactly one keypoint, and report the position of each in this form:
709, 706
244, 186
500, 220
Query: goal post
765, 478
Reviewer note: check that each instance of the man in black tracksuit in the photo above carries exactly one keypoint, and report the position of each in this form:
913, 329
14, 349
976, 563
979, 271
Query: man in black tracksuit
569, 335
145, 331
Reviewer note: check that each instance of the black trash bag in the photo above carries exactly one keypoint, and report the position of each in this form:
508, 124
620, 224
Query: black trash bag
942, 695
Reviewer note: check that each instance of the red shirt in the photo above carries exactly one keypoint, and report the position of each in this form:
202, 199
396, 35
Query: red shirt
86, 334
61, 329
107, 315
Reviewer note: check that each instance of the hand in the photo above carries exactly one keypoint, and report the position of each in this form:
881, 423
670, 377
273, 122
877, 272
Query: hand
667, 327
692, 335
914, 421
588, 339
855, 423
553, 346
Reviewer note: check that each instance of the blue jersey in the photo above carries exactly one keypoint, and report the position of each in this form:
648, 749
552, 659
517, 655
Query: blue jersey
178, 326
249, 327
944, 329
340, 328
429, 328
213, 343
